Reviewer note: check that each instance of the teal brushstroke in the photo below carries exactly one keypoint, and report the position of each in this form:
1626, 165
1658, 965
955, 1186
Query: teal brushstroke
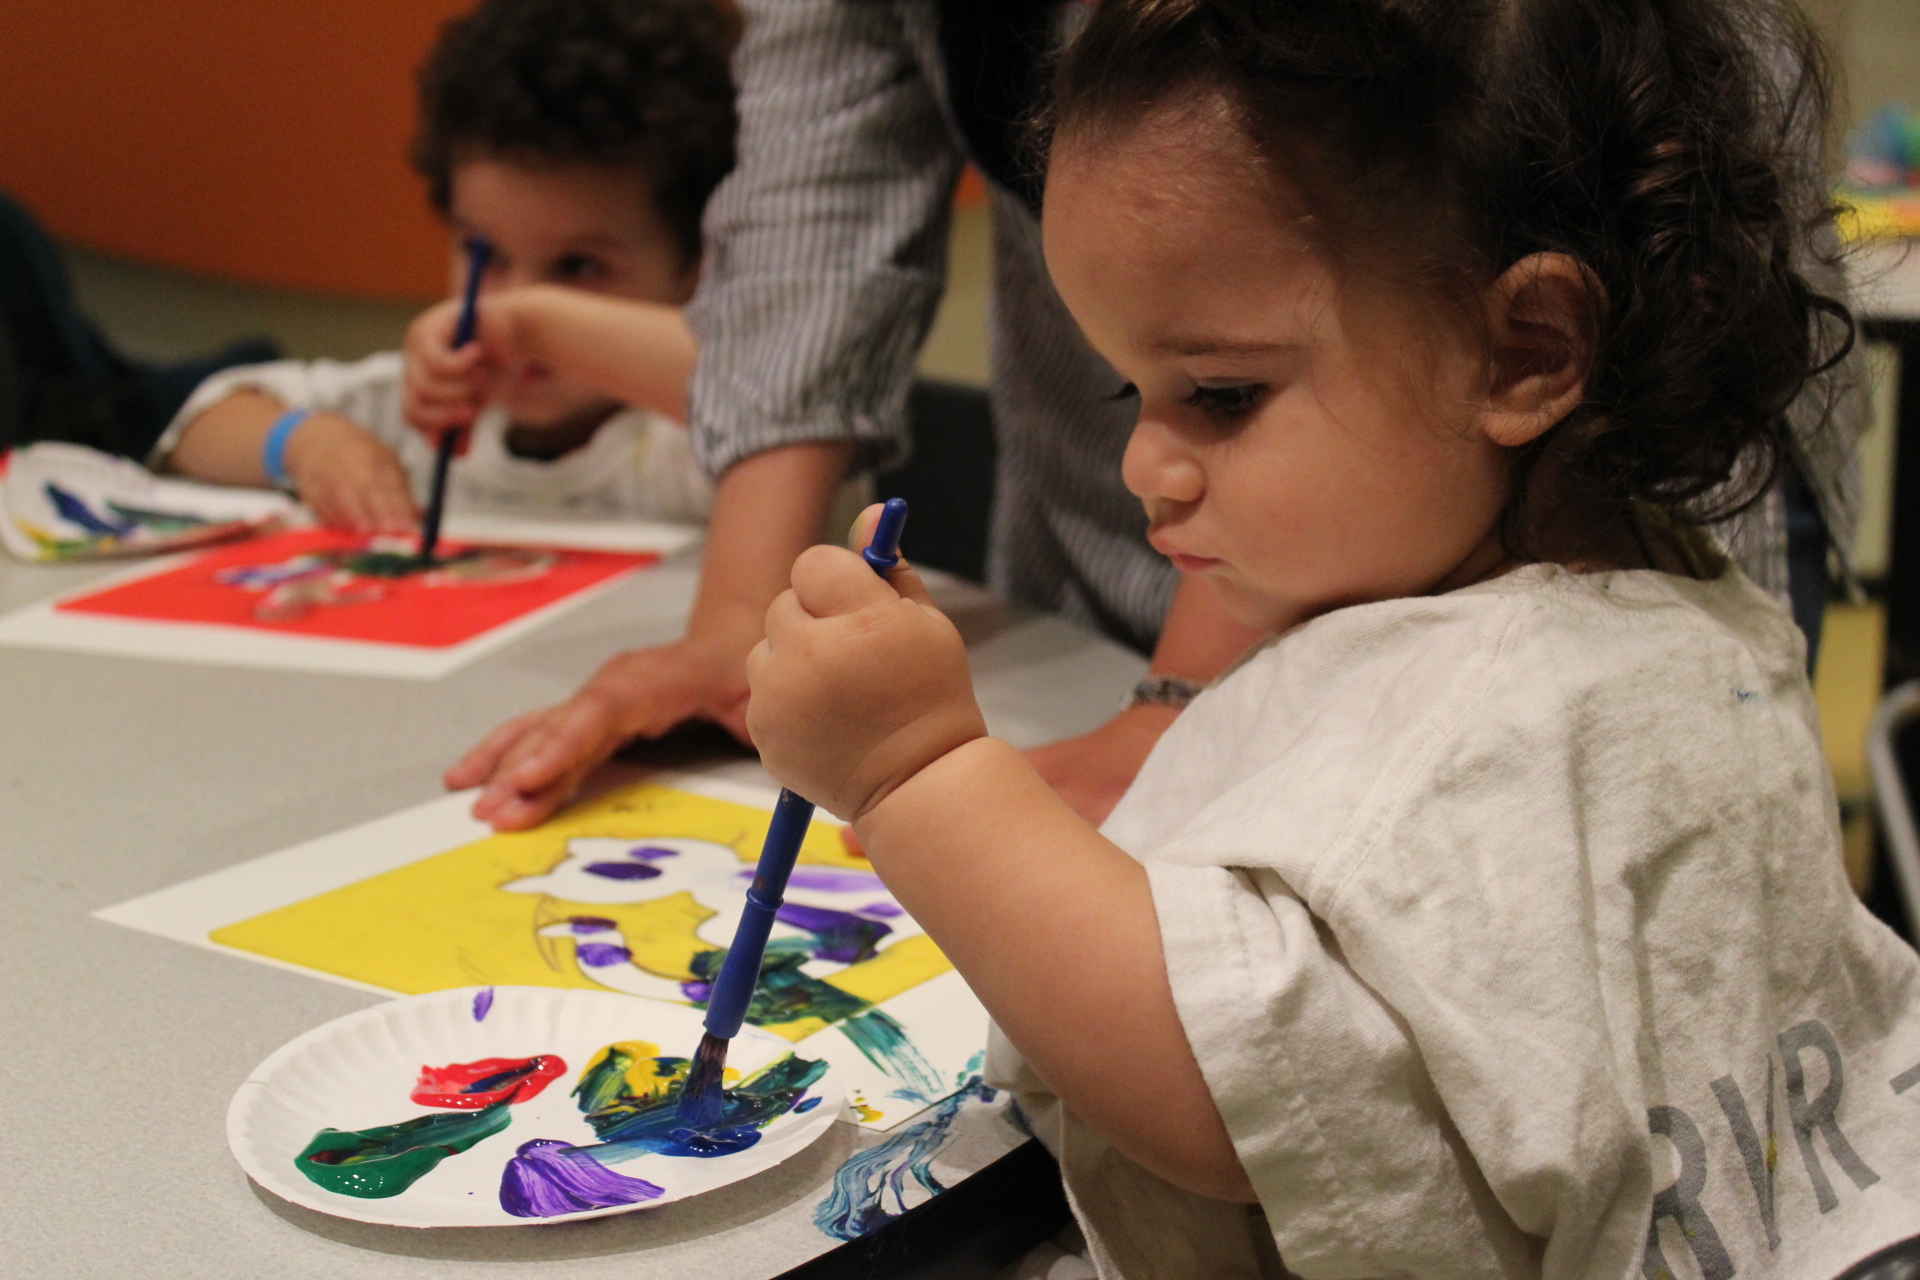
785, 993
871, 1189
885, 1044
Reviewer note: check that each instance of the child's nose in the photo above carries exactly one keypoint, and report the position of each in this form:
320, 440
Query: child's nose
1159, 466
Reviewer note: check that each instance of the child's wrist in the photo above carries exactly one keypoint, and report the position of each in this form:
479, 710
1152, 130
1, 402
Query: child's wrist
273, 450
970, 767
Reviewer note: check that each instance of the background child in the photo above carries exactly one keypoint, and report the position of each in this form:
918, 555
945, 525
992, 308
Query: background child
1490, 921
582, 139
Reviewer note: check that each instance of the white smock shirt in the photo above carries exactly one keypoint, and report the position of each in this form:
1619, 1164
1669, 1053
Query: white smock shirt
637, 464
1510, 932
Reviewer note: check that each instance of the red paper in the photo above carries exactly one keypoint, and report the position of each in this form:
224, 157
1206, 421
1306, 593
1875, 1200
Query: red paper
416, 612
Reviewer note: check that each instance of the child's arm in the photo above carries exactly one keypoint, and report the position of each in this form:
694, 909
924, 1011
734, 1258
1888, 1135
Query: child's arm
640, 353
349, 478
862, 702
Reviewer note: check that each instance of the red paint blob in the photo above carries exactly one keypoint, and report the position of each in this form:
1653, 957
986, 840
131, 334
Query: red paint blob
468, 1086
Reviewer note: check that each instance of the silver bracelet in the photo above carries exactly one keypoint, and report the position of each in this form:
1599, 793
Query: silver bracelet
1162, 691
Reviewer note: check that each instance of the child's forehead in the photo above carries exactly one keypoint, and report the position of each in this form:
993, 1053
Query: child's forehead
554, 200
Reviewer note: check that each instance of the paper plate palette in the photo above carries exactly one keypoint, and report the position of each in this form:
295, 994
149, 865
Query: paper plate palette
504, 1106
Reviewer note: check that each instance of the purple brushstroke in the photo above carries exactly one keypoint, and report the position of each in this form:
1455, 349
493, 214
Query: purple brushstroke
651, 852
482, 1004
623, 870
592, 924
547, 1178
601, 954
698, 992
830, 880
887, 910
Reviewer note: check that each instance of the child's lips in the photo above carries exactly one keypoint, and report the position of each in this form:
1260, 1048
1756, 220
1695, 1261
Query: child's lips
1183, 561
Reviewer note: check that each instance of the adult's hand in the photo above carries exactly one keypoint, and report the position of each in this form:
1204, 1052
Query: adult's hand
767, 509
1091, 772
532, 764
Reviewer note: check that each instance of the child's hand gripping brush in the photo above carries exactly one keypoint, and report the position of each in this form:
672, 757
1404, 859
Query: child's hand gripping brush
479, 251
701, 1100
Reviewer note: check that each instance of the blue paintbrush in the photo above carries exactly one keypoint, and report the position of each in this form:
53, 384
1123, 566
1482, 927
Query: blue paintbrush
701, 1101
478, 251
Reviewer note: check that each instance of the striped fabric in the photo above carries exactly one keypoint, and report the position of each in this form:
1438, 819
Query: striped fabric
826, 257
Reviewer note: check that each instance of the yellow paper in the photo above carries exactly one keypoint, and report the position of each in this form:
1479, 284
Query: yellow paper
448, 921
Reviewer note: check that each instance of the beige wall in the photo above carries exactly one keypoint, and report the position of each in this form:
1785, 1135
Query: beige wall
1878, 47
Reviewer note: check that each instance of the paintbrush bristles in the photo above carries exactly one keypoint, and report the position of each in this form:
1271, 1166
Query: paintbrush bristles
701, 1098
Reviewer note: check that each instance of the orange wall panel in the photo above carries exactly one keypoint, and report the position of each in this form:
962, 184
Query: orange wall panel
257, 140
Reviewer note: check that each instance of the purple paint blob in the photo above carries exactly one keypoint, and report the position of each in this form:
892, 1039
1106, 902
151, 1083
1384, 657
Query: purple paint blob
886, 910
482, 1004
698, 992
623, 870
831, 880
651, 852
601, 954
592, 924
547, 1178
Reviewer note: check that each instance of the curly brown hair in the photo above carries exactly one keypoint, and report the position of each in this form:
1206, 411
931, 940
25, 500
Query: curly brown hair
1671, 147
612, 82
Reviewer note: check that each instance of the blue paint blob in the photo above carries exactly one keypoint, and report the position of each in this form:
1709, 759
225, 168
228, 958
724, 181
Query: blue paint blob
600, 955
871, 1189
622, 870
482, 1004
807, 1105
651, 852
631, 1126
547, 1178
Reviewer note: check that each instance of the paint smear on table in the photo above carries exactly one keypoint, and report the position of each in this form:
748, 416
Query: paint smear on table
884, 1181
372, 1164
638, 892
630, 1095
468, 1086
321, 583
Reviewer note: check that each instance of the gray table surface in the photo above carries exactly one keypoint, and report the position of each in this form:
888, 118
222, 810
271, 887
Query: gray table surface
121, 776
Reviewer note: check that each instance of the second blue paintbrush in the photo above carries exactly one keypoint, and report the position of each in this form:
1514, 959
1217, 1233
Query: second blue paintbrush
478, 251
702, 1100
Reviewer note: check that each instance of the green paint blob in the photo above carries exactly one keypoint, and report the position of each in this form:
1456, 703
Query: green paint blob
375, 1163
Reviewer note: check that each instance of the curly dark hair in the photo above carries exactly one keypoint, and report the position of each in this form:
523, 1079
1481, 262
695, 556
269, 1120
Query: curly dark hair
615, 82
1671, 147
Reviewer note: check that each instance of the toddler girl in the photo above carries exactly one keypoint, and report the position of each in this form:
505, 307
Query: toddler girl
1489, 920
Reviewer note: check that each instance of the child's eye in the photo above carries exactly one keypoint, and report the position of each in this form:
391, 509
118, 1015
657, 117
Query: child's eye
1228, 403
579, 266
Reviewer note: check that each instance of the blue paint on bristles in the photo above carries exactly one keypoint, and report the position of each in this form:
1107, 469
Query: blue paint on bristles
479, 250
702, 1100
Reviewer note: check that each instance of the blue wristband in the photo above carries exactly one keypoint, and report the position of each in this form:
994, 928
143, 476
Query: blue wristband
273, 459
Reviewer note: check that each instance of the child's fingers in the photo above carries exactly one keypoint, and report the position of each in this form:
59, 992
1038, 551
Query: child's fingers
861, 534
830, 580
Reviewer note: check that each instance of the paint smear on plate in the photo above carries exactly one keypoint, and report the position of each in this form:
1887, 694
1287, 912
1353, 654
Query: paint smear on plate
872, 1188
630, 1095
482, 1004
547, 1178
372, 1164
468, 1086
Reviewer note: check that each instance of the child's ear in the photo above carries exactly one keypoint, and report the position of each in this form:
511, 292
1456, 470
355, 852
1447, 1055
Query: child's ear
1540, 315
